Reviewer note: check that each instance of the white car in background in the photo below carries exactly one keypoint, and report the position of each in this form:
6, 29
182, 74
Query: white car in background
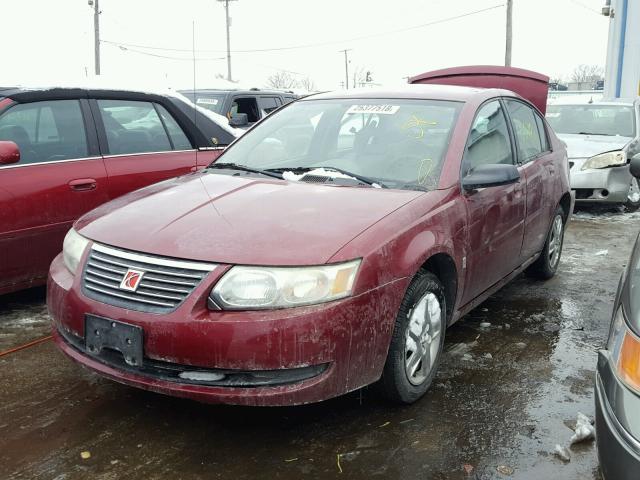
602, 138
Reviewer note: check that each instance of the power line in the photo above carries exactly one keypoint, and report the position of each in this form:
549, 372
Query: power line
321, 44
156, 55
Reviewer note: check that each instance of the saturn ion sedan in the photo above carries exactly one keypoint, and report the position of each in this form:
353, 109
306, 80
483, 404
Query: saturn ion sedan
325, 250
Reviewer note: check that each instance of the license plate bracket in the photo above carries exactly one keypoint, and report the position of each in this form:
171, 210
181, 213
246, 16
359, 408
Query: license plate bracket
101, 333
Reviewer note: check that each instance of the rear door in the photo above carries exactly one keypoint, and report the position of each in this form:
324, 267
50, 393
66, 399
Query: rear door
59, 177
496, 214
536, 160
142, 143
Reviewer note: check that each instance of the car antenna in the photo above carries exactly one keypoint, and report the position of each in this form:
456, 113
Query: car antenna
193, 52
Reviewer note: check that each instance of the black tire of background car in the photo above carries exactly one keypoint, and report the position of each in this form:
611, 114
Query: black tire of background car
542, 267
394, 384
632, 206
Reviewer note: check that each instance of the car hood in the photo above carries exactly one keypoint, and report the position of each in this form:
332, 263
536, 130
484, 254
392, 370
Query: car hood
240, 219
585, 146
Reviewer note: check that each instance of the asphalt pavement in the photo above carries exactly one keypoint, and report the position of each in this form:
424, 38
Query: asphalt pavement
505, 395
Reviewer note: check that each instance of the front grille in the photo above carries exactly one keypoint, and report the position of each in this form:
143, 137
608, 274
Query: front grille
165, 284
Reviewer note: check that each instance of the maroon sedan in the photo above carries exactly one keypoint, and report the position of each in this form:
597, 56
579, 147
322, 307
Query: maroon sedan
64, 151
327, 249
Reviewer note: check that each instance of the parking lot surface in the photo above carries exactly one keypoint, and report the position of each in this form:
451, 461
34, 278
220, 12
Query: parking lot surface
504, 397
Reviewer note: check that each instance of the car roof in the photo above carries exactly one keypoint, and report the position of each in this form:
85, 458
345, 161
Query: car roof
243, 91
417, 91
627, 102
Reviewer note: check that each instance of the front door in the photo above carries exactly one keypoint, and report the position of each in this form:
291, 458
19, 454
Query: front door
141, 143
59, 177
495, 215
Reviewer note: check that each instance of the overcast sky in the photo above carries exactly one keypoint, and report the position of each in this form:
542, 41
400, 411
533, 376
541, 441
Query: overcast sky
42, 41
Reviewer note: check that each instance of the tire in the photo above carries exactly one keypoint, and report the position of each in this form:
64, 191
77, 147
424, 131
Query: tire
417, 339
547, 263
633, 197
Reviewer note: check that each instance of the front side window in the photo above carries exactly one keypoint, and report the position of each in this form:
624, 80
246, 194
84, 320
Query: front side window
488, 141
46, 131
525, 128
592, 119
400, 143
133, 127
248, 106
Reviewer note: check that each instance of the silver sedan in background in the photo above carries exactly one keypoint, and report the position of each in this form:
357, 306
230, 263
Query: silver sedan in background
602, 138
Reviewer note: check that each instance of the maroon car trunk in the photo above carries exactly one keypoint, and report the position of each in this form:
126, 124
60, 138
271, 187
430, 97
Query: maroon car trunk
530, 85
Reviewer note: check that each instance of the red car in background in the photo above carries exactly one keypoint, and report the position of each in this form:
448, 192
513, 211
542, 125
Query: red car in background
64, 151
327, 249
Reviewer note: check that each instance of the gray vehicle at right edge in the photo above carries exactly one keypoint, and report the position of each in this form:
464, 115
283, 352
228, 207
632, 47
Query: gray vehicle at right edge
602, 137
618, 377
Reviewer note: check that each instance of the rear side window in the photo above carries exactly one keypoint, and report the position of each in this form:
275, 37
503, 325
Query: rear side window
525, 128
488, 141
268, 104
137, 127
46, 131
542, 130
179, 140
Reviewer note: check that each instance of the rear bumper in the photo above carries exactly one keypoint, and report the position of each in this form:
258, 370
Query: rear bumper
315, 352
618, 445
606, 185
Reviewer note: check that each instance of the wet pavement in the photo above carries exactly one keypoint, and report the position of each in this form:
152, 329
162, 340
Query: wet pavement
504, 397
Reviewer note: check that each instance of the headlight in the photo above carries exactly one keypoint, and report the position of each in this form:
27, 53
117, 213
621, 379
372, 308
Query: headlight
604, 160
72, 249
624, 346
251, 288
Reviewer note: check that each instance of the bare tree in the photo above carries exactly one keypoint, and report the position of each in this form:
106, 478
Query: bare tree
307, 84
281, 80
556, 80
587, 73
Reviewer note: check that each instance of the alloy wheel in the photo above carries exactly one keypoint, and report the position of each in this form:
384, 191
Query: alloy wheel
422, 341
555, 242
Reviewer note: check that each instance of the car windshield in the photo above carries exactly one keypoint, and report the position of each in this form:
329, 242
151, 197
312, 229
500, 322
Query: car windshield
399, 143
592, 119
210, 101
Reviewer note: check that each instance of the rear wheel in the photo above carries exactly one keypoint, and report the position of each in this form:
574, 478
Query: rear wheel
547, 263
417, 341
633, 197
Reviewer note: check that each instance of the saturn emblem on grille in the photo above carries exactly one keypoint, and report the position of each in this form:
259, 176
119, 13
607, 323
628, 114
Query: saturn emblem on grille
131, 280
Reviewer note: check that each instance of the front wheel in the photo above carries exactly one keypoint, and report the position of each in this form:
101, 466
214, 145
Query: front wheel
417, 341
547, 263
633, 197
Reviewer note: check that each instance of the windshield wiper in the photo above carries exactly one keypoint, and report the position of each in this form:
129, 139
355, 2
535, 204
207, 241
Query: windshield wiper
593, 133
244, 168
360, 178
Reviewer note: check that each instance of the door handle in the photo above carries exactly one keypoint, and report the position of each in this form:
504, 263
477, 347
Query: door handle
82, 184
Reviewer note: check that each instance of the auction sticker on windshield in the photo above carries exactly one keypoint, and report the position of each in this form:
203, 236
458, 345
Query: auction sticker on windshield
380, 109
207, 101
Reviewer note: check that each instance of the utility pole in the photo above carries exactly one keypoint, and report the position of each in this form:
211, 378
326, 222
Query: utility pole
346, 67
96, 33
226, 7
507, 51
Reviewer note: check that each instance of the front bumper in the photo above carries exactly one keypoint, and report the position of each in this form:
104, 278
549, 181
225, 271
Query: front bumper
606, 185
617, 424
314, 353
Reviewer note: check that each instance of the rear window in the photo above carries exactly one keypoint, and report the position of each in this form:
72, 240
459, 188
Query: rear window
608, 120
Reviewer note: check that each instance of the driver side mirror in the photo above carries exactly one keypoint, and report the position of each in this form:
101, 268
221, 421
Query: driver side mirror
239, 120
635, 165
493, 175
9, 153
